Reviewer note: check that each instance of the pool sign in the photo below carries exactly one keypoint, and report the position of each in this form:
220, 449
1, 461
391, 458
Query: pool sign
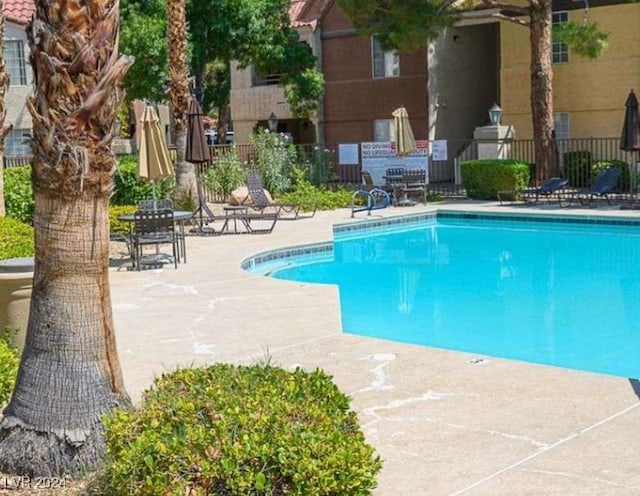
379, 156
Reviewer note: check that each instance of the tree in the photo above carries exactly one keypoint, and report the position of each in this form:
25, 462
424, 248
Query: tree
408, 24
144, 33
4, 128
179, 96
259, 33
248, 31
69, 374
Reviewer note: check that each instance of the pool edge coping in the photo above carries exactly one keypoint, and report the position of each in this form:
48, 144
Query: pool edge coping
359, 225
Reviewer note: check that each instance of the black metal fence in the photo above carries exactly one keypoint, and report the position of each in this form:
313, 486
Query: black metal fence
576, 159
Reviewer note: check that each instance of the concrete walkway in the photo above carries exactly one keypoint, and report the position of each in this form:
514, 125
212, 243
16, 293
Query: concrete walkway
445, 423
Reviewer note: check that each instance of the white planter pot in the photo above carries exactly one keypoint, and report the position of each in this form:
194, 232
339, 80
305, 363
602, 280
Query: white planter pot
16, 282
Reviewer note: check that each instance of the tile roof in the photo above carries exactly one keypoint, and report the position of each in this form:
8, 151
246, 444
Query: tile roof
302, 12
307, 12
19, 11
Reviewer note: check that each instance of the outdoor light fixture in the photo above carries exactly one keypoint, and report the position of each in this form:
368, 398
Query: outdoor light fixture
272, 122
495, 114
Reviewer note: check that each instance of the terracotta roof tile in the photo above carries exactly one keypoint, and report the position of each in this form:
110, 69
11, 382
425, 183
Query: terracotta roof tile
301, 12
19, 11
307, 12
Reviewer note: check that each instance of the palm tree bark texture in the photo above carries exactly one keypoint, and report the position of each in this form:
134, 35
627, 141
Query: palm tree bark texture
540, 36
69, 375
179, 97
4, 127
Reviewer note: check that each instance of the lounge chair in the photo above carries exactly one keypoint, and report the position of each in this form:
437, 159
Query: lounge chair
550, 188
605, 183
260, 201
204, 216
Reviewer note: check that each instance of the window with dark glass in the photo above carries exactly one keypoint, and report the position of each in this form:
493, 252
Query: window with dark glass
14, 61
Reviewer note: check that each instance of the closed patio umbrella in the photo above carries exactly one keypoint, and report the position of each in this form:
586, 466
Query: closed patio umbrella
630, 140
405, 142
154, 162
197, 151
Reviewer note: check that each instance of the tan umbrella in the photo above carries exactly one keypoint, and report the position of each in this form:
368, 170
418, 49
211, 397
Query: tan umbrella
405, 142
154, 162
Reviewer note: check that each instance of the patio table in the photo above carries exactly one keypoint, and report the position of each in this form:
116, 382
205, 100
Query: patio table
180, 217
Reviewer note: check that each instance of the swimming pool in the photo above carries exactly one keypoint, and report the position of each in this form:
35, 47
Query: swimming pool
553, 291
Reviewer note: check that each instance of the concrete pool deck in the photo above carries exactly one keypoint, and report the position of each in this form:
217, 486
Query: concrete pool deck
444, 422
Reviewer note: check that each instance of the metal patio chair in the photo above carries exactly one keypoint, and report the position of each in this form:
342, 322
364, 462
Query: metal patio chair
154, 228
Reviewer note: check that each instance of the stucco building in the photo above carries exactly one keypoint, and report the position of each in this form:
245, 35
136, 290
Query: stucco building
588, 94
16, 56
363, 84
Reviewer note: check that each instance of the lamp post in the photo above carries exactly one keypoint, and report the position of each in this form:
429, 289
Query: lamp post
272, 122
495, 114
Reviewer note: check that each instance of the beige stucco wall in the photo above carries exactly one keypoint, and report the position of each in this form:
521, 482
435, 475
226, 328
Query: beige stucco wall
16, 97
592, 91
250, 105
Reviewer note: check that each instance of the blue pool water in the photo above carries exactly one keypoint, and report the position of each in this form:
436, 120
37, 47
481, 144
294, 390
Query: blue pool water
553, 293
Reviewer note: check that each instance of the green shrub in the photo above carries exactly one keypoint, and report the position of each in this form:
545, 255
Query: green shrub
306, 194
119, 226
577, 168
320, 166
16, 239
225, 175
275, 158
18, 195
236, 430
9, 361
482, 179
129, 189
624, 180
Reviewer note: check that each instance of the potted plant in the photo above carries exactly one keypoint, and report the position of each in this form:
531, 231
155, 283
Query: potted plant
16, 276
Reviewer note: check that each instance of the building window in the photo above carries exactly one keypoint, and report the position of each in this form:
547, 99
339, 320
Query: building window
560, 51
385, 63
260, 78
14, 60
16, 144
383, 130
561, 125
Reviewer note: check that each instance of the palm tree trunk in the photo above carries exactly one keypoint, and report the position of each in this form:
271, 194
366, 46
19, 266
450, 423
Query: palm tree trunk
69, 374
179, 97
542, 88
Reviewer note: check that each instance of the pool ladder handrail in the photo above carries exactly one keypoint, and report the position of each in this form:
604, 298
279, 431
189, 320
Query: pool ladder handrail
376, 199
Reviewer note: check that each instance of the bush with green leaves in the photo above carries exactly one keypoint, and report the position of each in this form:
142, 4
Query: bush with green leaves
18, 194
16, 239
226, 174
309, 196
237, 430
119, 226
129, 189
275, 158
9, 361
482, 179
319, 166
